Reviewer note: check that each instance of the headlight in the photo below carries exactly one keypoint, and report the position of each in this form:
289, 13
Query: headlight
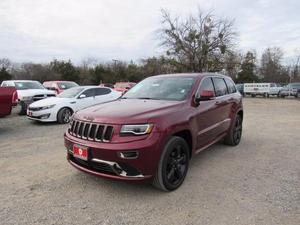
137, 129
26, 98
47, 107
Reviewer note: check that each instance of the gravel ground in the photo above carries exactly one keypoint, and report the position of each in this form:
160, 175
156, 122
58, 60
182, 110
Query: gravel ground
257, 182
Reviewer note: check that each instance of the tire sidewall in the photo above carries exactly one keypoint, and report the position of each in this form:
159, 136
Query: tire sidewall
60, 113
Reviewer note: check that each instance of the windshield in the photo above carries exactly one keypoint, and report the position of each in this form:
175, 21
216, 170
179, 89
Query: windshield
66, 85
25, 85
71, 93
295, 85
162, 88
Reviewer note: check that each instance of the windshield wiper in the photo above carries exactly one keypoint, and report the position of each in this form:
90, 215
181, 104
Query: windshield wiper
147, 98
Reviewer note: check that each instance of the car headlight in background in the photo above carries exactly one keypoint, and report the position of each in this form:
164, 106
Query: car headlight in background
137, 129
27, 98
47, 107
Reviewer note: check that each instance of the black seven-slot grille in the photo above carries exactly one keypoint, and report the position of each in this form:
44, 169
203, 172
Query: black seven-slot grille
91, 131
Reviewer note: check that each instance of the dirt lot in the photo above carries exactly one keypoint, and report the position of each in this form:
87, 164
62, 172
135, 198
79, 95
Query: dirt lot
257, 182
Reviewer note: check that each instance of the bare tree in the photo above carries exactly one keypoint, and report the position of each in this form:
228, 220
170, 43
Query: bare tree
5, 63
295, 67
271, 68
199, 42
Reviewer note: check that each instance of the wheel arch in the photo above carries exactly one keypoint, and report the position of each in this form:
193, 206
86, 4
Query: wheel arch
241, 113
187, 136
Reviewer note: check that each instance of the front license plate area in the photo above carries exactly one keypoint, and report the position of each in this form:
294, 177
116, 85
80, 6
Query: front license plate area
80, 152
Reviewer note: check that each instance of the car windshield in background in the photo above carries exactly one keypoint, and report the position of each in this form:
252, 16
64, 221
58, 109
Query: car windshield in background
25, 85
66, 85
295, 85
71, 93
162, 88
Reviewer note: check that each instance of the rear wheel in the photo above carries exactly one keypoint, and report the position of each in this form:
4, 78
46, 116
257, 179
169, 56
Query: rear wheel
234, 135
173, 165
64, 115
253, 95
298, 95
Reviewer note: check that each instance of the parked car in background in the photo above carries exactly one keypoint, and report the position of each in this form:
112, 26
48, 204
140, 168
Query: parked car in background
292, 89
28, 91
155, 128
8, 99
263, 89
62, 107
107, 85
123, 86
59, 86
240, 88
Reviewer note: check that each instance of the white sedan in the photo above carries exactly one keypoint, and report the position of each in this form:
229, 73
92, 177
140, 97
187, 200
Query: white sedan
61, 108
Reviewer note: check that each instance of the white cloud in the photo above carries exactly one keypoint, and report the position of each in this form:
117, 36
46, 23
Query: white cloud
126, 29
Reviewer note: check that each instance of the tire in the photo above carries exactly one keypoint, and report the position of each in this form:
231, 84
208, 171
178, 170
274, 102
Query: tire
173, 165
23, 108
234, 135
64, 115
253, 95
297, 95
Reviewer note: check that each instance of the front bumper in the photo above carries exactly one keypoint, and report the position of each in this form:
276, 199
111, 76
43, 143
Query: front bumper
105, 159
42, 115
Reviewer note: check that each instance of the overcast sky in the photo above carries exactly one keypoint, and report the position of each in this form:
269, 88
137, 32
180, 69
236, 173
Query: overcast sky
40, 30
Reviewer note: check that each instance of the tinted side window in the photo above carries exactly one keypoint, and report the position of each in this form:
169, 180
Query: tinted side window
206, 85
102, 91
89, 92
220, 86
230, 85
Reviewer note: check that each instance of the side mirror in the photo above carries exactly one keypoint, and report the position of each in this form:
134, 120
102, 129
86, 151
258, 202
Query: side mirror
205, 95
82, 96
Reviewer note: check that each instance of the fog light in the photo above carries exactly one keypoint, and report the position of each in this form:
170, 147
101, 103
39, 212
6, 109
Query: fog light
45, 116
128, 155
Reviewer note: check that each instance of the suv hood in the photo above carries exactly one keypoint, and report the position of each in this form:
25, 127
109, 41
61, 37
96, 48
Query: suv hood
125, 111
32, 92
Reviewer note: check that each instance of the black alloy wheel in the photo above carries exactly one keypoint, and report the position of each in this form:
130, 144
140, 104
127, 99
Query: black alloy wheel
234, 135
176, 165
237, 132
173, 165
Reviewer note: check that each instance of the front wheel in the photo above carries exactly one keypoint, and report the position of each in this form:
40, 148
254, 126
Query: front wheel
173, 165
234, 135
23, 108
64, 115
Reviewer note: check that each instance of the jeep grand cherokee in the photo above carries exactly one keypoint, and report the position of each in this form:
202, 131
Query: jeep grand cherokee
152, 131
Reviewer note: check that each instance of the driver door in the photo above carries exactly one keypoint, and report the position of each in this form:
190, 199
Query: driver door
206, 116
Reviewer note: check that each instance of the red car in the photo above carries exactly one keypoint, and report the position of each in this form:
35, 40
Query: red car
153, 131
59, 86
8, 99
123, 86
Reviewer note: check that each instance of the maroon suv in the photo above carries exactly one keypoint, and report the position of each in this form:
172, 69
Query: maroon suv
152, 131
